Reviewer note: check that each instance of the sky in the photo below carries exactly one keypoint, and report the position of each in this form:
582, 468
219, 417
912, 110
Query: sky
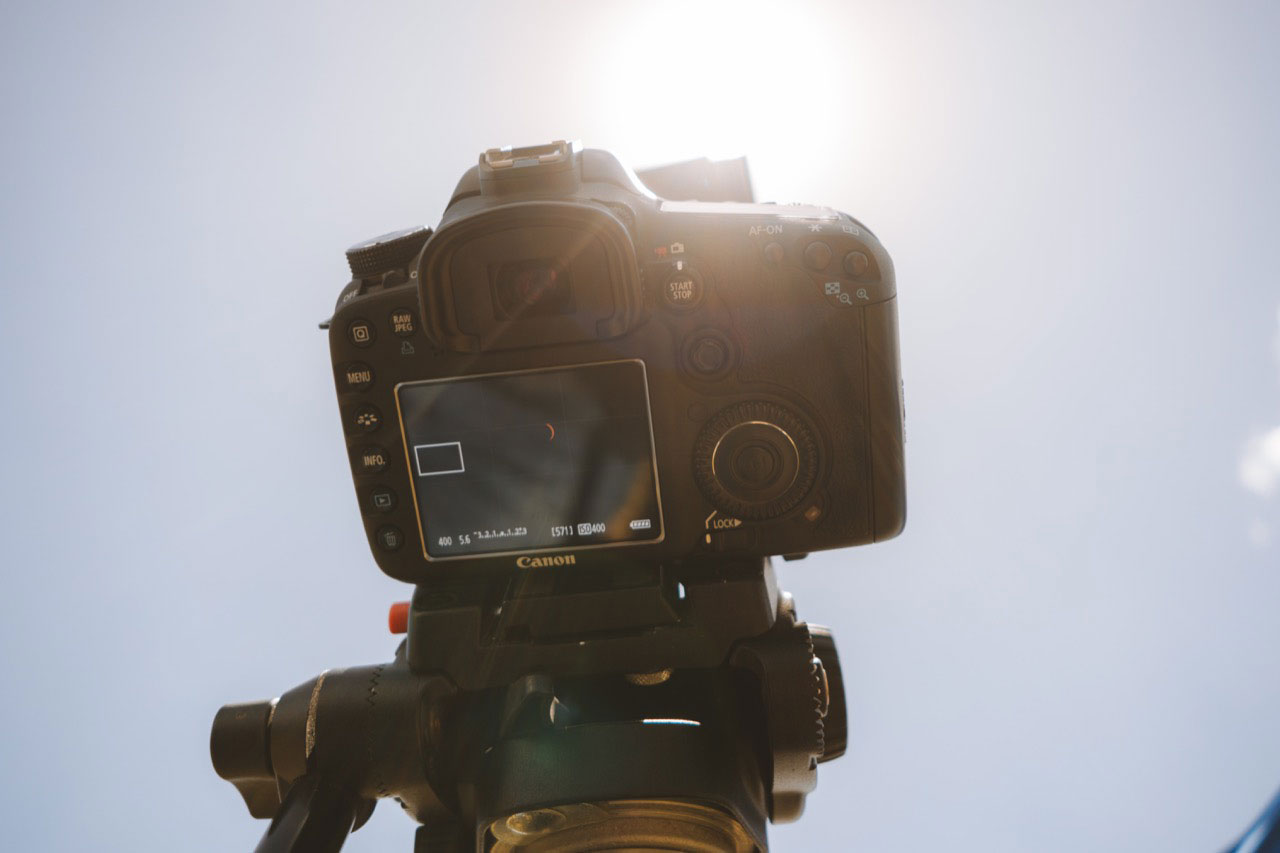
1072, 646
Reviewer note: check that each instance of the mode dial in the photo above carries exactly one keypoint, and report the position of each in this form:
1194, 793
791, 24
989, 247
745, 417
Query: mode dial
755, 460
388, 252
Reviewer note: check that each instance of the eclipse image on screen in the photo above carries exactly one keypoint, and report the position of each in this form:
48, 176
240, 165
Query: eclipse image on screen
531, 460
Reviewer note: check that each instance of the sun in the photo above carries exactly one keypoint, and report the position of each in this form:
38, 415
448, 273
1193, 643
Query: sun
717, 79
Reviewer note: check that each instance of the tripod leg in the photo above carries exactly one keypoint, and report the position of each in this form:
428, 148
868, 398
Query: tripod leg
316, 816
443, 838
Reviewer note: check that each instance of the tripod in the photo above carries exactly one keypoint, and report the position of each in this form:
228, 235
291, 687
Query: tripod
674, 707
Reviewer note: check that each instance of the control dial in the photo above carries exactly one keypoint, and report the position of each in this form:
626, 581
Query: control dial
386, 253
755, 460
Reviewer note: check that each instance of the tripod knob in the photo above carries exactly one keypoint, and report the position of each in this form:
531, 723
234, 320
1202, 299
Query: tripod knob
835, 717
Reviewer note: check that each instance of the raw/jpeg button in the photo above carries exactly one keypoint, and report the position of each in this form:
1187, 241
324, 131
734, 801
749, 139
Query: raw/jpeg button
360, 333
402, 322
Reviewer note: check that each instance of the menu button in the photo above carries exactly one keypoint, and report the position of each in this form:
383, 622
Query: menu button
355, 376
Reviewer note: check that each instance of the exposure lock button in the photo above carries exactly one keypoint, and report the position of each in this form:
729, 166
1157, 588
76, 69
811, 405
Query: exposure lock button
817, 255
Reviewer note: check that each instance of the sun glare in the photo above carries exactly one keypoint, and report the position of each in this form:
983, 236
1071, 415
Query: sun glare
717, 79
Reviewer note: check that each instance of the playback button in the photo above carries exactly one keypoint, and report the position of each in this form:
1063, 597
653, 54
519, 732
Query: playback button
380, 499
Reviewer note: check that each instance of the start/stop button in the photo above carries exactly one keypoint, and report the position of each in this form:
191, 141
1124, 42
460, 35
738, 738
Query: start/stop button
683, 288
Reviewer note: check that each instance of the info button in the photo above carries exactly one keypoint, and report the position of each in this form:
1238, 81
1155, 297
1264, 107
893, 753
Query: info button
369, 459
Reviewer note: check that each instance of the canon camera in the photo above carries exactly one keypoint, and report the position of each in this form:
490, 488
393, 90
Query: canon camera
569, 369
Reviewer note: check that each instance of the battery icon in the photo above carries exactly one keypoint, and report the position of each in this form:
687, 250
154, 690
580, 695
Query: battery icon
640, 524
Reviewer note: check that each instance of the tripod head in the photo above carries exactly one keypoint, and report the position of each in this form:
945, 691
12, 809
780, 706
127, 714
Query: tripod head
567, 713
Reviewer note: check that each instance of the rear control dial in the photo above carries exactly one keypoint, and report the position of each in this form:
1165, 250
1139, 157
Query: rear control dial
755, 460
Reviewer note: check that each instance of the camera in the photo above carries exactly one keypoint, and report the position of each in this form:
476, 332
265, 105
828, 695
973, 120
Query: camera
581, 420
569, 370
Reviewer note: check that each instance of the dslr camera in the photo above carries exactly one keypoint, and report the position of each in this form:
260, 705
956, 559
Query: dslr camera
571, 371
580, 420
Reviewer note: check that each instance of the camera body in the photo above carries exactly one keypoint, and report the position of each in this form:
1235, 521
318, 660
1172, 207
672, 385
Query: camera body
570, 371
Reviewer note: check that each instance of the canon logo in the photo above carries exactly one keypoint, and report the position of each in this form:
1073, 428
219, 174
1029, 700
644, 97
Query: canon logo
546, 562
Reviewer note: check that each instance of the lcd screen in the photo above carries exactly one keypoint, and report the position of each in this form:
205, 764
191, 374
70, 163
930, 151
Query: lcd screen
532, 460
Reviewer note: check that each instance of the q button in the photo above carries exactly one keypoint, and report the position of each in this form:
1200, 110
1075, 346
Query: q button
361, 333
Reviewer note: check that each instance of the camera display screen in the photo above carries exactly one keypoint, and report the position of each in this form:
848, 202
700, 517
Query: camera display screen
531, 460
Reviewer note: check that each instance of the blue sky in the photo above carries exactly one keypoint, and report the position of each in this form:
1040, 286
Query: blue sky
1074, 644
